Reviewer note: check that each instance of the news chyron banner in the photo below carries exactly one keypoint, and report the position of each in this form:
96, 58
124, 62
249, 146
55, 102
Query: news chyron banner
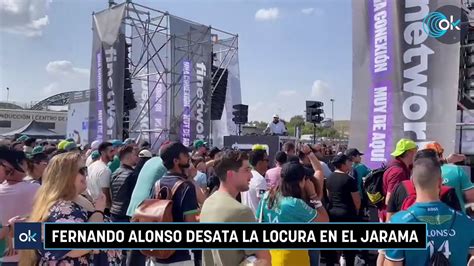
174, 236
191, 80
107, 74
405, 74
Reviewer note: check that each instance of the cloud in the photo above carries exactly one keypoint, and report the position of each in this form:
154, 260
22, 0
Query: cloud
267, 14
65, 77
320, 90
312, 11
63, 67
287, 93
25, 17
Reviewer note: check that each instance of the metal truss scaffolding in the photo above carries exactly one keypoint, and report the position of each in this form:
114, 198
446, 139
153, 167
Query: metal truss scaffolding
152, 46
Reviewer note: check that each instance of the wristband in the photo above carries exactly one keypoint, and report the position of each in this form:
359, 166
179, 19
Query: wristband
316, 203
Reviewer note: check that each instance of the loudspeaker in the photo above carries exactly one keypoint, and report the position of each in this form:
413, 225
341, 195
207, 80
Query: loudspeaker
219, 92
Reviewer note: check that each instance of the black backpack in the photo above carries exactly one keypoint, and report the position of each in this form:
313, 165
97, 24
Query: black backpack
373, 186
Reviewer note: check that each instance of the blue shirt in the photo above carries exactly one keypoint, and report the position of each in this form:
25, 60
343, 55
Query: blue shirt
452, 239
151, 172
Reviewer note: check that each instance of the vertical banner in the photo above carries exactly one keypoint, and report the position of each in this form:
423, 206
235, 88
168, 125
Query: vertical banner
186, 117
405, 74
107, 74
191, 48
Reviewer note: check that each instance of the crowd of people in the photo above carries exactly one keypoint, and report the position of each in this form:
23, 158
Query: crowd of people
110, 181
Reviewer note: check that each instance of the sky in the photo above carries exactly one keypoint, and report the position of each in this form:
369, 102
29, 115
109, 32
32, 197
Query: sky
289, 51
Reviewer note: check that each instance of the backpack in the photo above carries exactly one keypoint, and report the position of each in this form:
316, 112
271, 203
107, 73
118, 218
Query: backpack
437, 257
159, 209
411, 194
373, 186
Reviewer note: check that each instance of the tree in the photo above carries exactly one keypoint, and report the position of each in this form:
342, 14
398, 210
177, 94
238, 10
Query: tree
261, 126
295, 121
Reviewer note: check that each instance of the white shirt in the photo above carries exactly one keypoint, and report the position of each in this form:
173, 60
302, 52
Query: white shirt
89, 161
257, 187
278, 128
98, 177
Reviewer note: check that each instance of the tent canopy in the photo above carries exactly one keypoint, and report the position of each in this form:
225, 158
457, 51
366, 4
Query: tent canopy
34, 130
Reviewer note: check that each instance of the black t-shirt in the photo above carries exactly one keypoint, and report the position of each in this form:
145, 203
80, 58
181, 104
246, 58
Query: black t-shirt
395, 202
184, 202
340, 188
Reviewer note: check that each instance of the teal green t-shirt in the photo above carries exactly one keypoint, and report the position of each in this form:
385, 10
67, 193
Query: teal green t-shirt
114, 164
361, 171
151, 172
453, 241
454, 176
286, 210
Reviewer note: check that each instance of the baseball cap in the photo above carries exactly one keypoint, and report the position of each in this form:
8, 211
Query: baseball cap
117, 143
12, 157
199, 143
95, 145
37, 154
404, 145
145, 154
62, 144
292, 171
258, 147
339, 159
353, 152
172, 151
95, 155
435, 146
22, 138
275, 116
70, 146
129, 141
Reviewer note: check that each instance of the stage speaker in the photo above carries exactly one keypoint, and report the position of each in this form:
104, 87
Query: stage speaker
240, 114
219, 92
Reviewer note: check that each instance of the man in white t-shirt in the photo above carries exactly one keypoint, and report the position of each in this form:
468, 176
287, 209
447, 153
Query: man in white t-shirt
258, 185
98, 178
276, 127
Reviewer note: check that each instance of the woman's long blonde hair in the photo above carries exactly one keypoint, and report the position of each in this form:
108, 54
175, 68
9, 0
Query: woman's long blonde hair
58, 184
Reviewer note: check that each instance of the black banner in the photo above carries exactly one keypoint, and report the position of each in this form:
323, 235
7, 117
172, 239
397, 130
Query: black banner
234, 236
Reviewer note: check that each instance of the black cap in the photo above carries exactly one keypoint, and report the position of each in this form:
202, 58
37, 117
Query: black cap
292, 171
12, 157
339, 159
353, 152
172, 151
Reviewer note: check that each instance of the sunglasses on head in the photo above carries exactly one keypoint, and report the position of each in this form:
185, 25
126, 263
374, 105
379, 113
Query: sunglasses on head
83, 170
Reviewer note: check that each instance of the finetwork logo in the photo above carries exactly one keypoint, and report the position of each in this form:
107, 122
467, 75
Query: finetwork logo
27, 235
444, 24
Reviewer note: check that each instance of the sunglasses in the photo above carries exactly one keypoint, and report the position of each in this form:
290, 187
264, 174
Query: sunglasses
83, 171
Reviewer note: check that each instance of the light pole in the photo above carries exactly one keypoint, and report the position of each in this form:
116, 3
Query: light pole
332, 109
8, 93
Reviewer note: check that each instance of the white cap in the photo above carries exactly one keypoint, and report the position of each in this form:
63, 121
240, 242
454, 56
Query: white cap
95, 145
145, 154
275, 116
